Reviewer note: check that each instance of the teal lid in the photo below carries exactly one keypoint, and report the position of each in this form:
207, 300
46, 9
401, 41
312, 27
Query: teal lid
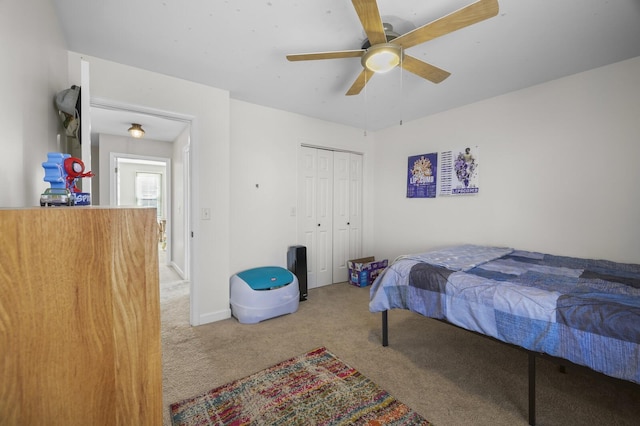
266, 277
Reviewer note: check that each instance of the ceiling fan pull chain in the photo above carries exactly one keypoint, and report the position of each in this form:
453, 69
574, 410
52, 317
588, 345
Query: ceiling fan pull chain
401, 85
365, 102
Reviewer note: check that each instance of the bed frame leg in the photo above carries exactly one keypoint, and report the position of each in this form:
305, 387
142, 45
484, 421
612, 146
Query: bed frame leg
385, 329
532, 388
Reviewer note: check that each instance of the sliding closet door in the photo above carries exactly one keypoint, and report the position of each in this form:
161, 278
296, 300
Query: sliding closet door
329, 212
355, 206
347, 212
324, 216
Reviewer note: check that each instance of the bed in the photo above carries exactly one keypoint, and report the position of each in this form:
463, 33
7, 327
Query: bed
584, 311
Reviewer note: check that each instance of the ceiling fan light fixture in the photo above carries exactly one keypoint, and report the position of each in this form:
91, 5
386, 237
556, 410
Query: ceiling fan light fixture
136, 130
381, 58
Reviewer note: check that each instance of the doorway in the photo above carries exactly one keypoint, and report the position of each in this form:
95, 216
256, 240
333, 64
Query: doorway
166, 142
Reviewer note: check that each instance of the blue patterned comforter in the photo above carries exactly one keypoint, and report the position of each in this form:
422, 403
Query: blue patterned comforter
586, 311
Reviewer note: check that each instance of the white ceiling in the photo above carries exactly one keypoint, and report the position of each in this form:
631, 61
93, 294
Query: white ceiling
240, 46
117, 122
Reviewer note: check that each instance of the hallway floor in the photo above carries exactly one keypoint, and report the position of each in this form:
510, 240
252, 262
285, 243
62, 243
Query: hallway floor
171, 284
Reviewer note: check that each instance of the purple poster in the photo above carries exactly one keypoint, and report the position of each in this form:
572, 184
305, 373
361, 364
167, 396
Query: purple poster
459, 171
422, 176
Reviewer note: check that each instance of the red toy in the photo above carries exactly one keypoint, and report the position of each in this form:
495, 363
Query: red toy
74, 167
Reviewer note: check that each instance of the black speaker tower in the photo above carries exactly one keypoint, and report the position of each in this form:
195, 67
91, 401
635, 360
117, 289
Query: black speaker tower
297, 264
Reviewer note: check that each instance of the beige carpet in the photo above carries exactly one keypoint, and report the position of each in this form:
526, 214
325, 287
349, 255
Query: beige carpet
449, 376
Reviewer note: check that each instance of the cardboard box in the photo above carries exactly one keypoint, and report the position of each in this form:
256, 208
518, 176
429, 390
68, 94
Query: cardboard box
362, 272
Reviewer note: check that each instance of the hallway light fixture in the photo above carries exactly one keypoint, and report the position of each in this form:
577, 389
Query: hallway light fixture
136, 130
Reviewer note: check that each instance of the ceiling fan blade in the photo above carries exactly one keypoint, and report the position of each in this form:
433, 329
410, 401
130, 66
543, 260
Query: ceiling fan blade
358, 85
468, 15
326, 55
423, 69
369, 15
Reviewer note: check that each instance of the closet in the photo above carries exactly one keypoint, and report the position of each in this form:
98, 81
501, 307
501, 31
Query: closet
329, 212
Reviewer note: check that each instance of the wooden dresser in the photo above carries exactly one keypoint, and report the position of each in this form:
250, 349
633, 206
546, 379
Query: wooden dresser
79, 317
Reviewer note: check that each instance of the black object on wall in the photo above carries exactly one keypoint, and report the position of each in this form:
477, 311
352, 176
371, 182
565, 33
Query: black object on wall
297, 264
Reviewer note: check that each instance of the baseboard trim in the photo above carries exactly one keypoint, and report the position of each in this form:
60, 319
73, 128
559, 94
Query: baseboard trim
215, 316
178, 270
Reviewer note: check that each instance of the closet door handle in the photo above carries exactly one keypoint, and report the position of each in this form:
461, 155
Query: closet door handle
318, 224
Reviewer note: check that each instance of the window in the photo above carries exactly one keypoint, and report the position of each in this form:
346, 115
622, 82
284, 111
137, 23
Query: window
149, 191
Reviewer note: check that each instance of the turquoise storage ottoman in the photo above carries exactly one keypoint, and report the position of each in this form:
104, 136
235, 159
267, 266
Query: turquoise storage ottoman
261, 293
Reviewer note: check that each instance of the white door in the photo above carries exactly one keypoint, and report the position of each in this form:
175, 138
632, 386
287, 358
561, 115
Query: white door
340, 216
307, 224
324, 270
355, 206
347, 212
329, 213
315, 213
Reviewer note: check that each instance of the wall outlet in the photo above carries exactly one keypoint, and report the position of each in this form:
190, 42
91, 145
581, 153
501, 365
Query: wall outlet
205, 214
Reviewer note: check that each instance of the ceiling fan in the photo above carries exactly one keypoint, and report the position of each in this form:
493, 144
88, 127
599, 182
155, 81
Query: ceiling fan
383, 49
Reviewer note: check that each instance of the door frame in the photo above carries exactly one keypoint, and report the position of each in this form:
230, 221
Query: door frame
186, 179
113, 185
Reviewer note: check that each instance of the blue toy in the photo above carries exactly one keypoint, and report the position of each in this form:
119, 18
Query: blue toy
62, 171
54, 170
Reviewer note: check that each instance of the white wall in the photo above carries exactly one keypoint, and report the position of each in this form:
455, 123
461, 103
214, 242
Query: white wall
33, 70
264, 151
209, 109
559, 171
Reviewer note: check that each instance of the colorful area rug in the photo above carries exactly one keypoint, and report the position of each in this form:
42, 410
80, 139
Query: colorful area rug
315, 388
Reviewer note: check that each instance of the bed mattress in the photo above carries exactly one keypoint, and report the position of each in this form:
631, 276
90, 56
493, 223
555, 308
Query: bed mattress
584, 310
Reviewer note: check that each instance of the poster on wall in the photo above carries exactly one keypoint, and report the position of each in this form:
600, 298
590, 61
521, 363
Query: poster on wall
459, 171
422, 176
